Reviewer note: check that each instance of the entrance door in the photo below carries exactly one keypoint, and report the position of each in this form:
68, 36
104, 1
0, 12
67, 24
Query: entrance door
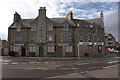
59, 51
41, 52
23, 51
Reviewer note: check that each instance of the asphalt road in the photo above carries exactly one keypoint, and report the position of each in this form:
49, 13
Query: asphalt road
41, 68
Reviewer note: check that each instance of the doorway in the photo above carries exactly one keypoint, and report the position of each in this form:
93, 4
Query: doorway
41, 51
23, 51
59, 51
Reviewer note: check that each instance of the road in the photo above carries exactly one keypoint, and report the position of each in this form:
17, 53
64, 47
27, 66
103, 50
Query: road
50, 69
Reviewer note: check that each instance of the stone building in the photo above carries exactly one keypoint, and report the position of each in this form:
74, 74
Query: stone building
5, 47
0, 47
56, 37
110, 40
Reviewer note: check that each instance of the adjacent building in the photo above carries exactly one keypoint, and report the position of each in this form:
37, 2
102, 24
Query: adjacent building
56, 37
5, 47
0, 46
110, 40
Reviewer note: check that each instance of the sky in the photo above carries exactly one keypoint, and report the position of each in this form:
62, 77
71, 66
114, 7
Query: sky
82, 9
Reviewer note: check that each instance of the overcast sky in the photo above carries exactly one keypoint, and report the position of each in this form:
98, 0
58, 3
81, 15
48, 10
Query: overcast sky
82, 9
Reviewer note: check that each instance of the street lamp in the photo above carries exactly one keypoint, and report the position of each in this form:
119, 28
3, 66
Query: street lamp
78, 52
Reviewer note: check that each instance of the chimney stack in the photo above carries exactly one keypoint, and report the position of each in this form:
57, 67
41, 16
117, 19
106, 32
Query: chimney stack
69, 15
17, 17
42, 12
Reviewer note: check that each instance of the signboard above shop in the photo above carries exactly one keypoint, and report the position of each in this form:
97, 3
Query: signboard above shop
85, 43
90, 43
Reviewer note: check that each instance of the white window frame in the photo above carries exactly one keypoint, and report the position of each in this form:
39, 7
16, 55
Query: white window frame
50, 27
50, 38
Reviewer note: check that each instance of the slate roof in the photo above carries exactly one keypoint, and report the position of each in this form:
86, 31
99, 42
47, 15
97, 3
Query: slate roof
23, 22
60, 21
97, 21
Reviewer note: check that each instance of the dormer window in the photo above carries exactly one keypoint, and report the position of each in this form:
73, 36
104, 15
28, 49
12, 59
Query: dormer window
66, 27
50, 27
18, 28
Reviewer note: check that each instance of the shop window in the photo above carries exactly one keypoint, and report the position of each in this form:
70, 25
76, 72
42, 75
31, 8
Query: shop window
99, 48
50, 48
68, 49
31, 49
15, 49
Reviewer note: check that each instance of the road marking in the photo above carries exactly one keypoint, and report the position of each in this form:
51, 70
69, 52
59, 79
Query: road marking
46, 62
112, 62
83, 63
14, 63
109, 66
74, 68
23, 63
73, 74
61, 75
82, 72
4, 63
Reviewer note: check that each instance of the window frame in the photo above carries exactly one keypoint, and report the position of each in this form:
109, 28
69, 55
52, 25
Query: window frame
50, 27
80, 37
66, 35
50, 37
66, 26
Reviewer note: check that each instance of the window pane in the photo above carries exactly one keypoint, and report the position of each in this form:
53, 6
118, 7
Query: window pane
70, 48
81, 37
66, 37
98, 37
52, 49
33, 49
30, 49
18, 28
32, 37
50, 27
89, 37
66, 27
18, 38
66, 48
48, 49
50, 37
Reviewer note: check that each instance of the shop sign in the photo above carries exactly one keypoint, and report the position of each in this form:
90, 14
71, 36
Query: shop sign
18, 44
64, 44
85, 43
98, 43
31, 44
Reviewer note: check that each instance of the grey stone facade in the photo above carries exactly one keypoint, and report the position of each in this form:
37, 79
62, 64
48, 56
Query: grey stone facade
56, 37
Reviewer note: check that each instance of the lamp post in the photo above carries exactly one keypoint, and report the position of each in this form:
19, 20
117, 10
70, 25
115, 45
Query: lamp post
78, 52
